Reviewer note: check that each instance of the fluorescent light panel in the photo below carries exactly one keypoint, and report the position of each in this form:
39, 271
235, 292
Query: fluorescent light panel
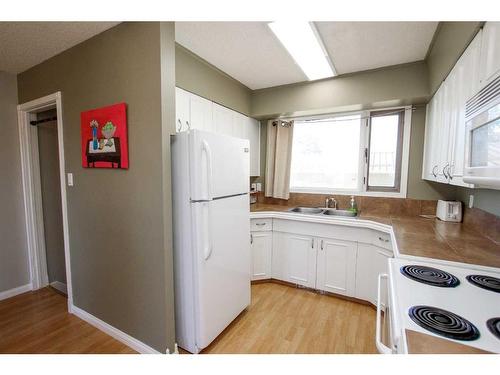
301, 41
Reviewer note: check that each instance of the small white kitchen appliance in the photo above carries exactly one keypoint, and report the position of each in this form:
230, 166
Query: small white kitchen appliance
449, 211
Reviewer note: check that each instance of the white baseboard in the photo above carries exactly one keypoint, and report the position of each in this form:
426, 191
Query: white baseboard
62, 287
15, 291
128, 340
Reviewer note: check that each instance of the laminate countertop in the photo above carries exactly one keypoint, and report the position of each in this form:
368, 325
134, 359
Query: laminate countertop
428, 238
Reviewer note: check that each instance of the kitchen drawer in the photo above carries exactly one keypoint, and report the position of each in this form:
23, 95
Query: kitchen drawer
382, 239
261, 225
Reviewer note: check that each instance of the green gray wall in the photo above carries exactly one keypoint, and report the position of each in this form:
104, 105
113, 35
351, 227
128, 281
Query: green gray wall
199, 77
450, 41
398, 85
51, 197
14, 271
119, 220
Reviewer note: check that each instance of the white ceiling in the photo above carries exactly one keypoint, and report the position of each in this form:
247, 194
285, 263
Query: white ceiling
358, 46
247, 51
26, 44
250, 53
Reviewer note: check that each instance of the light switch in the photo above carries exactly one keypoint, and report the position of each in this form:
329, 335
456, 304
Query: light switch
70, 179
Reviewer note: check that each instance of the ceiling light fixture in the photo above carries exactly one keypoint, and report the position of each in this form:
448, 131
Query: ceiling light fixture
303, 43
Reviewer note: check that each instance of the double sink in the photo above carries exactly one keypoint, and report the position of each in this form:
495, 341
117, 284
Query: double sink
322, 211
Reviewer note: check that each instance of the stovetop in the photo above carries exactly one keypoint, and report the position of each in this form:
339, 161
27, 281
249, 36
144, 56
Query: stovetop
447, 301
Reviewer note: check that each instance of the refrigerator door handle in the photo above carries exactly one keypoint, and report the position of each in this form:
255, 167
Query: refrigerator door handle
208, 152
209, 247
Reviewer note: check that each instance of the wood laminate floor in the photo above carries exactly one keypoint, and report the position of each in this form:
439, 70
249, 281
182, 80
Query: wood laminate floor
283, 319
38, 322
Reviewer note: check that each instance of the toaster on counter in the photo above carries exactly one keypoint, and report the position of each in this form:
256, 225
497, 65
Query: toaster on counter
449, 211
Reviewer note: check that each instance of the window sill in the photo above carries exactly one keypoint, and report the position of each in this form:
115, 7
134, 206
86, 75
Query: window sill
382, 194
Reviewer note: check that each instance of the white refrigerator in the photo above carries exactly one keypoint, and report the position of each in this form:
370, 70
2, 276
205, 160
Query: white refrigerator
211, 226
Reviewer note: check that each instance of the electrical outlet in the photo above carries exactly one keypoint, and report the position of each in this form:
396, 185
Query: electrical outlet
70, 179
259, 186
471, 201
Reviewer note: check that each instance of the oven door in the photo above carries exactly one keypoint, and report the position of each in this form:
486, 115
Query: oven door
482, 159
385, 338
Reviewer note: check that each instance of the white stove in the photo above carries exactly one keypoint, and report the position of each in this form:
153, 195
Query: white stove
439, 300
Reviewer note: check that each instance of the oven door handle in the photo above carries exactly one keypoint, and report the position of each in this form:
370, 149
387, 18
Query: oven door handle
381, 347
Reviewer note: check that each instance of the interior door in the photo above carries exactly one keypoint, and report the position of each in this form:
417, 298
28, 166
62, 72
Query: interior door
219, 165
222, 243
336, 266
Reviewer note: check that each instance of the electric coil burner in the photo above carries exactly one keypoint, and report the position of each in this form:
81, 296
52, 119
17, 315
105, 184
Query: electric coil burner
493, 325
444, 323
430, 276
486, 282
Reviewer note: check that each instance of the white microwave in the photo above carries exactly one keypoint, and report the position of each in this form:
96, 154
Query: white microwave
482, 156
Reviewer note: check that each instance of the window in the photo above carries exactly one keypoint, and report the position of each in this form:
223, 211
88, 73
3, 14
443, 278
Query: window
353, 153
385, 146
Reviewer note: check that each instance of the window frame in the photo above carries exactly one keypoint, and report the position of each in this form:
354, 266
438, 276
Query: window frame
363, 160
399, 151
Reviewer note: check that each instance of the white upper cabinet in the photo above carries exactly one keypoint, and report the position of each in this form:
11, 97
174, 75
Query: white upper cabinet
223, 120
182, 110
201, 113
336, 266
194, 112
254, 137
445, 132
490, 53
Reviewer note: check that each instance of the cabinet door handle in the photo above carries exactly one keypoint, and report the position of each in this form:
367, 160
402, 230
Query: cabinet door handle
180, 125
450, 171
383, 239
321, 244
444, 170
260, 224
312, 243
188, 125
434, 172
251, 238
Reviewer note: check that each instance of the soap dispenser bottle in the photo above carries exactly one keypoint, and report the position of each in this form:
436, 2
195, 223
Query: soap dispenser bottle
354, 207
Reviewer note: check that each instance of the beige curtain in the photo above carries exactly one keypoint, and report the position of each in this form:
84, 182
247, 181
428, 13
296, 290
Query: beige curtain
278, 158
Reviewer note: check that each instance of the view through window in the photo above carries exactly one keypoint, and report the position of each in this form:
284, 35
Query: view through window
348, 153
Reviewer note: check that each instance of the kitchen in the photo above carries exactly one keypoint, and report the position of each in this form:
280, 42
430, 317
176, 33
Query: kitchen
355, 220
263, 187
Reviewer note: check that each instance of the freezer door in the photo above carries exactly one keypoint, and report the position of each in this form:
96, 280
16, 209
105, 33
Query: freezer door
219, 165
222, 264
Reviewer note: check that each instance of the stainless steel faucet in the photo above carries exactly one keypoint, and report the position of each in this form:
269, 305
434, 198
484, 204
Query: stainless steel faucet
331, 200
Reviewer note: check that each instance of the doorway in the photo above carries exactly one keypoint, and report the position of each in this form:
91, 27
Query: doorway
44, 188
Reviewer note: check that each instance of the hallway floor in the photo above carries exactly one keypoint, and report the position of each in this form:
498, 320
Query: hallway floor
38, 322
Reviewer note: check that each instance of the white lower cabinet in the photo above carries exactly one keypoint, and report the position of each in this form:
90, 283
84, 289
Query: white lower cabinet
341, 266
371, 261
294, 259
261, 245
336, 266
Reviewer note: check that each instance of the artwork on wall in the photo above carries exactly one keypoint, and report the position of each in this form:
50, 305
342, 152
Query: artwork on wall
104, 137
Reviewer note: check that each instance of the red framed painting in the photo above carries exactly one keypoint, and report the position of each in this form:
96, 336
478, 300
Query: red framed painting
104, 137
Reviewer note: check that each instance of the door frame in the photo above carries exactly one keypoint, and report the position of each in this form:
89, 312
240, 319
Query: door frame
32, 192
